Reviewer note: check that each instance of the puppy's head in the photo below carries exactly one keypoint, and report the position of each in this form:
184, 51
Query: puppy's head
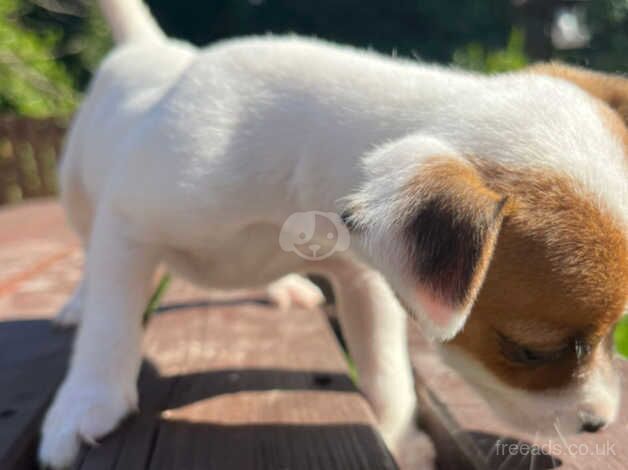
539, 345
535, 266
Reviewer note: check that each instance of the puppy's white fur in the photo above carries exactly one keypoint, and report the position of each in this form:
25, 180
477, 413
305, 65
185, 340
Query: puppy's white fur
545, 413
196, 157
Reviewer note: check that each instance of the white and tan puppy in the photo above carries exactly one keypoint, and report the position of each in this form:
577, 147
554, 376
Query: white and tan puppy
506, 195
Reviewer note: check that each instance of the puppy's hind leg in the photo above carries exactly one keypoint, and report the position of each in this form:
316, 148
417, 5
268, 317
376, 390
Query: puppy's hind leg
294, 290
79, 213
374, 326
100, 387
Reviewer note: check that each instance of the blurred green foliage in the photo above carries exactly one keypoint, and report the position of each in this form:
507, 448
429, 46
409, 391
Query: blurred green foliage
32, 83
621, 337
47, 56
475, 56
83, 35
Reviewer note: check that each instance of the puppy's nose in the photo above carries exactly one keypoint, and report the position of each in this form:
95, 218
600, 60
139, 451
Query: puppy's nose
592, 424
314, 247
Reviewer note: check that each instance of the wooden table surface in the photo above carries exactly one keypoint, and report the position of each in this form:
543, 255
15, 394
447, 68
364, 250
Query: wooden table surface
229, 382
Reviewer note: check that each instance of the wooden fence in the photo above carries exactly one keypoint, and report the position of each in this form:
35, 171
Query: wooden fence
29, 153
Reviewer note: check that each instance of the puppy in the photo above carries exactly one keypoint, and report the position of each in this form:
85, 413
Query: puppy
505, 194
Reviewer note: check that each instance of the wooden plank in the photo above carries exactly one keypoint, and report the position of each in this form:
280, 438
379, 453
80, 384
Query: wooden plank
225, 384
468, 435
38, 219
213, 380
34, 282
245, 387
40, 260
272, 382
33, 358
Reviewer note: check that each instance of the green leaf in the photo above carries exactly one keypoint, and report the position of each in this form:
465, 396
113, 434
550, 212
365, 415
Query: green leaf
620, 337
474, 56
154, 300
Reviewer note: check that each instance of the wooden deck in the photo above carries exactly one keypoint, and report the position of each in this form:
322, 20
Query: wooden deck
231, 383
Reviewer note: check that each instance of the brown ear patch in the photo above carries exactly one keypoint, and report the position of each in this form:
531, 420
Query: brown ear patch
452, 229
558, 279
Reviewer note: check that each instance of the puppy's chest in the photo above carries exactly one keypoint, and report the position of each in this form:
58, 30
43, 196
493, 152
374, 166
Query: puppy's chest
247, 257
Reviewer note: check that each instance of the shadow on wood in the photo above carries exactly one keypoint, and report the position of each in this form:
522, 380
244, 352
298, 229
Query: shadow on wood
33, 360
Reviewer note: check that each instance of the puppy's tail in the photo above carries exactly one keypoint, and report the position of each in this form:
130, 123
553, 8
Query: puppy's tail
130, 20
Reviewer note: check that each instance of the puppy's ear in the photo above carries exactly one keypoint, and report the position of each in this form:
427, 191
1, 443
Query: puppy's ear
612, 89
426, 219
451, 232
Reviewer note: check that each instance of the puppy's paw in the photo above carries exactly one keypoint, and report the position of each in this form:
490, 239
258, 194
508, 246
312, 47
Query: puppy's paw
414, 450
294, 290
399, 427
396, 423
81, 412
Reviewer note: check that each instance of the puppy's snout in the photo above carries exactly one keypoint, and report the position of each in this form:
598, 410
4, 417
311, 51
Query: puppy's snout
592, 426
591, 423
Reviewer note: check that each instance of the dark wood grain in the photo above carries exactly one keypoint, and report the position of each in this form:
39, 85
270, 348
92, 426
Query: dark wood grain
32, 363
243, 387
34, 281
221, 387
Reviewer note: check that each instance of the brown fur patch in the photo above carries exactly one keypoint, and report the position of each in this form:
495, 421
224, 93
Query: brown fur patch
452, 227
558, 279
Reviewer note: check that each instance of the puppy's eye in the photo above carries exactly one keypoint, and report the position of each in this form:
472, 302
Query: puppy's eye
525, 355
583, 349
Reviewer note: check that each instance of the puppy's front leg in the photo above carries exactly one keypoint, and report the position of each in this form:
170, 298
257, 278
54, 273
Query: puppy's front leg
100, 388
374, 326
